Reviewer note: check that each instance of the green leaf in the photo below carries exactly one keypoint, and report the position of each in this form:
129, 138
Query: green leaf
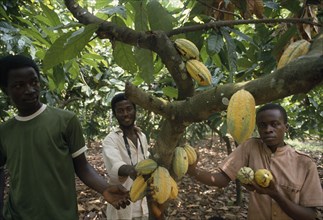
3, 13
68, 46
170, 92
124, 57
74, 69
115, 10
141, 16
50, 14
214, 44
144, 60
159, 18
34, 35
231, 50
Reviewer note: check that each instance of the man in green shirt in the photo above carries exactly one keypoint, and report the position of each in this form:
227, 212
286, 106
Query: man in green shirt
42, 148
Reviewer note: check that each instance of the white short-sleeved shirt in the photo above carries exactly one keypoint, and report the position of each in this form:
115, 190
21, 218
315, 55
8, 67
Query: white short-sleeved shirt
115, 155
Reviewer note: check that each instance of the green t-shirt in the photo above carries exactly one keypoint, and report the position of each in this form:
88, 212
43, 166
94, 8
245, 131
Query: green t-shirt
38, 153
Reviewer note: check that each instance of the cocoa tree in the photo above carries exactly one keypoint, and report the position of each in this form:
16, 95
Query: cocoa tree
297, 77
191, 106
154, 44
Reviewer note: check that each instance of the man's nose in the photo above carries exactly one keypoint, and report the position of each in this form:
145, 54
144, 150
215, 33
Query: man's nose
268, 129
29, 89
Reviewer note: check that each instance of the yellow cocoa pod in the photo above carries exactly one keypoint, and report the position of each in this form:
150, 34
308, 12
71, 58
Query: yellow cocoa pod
180, 162
191, 154
160, 184
146, 166
263, 177
293, 51
187, 49
245, 175
241, 115
174, 189
138, 189
199, 72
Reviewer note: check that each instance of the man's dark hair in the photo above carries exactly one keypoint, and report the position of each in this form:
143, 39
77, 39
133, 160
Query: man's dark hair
271, 106
12, 62
118, 98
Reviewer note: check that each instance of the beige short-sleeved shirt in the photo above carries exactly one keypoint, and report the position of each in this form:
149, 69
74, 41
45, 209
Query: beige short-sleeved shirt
295, 174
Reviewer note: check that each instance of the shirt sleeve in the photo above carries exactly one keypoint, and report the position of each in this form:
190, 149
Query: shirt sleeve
237, 159
74, 136
112, 158
311, 192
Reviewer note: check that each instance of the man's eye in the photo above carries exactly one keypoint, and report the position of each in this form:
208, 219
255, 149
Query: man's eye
35, 83
16, 86
261, 125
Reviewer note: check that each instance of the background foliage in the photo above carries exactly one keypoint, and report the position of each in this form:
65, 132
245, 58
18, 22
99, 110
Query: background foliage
81, 72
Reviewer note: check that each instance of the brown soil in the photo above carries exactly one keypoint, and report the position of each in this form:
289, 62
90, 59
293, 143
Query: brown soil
195, 200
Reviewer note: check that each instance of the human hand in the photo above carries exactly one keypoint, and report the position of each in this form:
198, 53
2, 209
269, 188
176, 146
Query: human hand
133, 173
271, 190
117, 195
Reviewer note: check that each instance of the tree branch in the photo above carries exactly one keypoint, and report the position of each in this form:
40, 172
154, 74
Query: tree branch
299, 76
216, 24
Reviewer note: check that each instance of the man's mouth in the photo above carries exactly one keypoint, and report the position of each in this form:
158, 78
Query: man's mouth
269, 138
31, 100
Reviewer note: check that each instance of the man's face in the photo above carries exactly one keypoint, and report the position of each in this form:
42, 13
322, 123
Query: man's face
271, 127
23, 90
125, 113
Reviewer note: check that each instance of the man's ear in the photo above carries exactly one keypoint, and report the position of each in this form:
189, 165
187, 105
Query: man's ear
287, 127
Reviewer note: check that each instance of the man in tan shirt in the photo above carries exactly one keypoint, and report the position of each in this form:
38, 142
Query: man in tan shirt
295, 191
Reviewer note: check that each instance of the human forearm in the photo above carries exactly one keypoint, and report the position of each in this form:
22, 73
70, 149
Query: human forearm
293, 210
116, 195
92, 179
218, 179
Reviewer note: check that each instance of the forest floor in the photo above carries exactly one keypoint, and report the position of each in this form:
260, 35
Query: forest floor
195, 201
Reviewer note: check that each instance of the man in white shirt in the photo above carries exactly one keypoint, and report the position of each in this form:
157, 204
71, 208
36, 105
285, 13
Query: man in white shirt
123, 148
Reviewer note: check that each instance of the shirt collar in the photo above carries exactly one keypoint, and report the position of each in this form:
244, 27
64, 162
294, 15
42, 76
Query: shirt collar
32, 116
118, 130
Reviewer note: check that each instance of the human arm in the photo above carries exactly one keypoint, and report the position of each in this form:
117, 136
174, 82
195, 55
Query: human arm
218, 178
116, 158
116, 195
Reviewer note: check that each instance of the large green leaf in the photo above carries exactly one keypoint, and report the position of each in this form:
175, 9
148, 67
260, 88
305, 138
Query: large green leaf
170, 92
214, 44
68, 46
141, 17
231, 50
3, 13
144, 60
159, 18
124, 57
50, 15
